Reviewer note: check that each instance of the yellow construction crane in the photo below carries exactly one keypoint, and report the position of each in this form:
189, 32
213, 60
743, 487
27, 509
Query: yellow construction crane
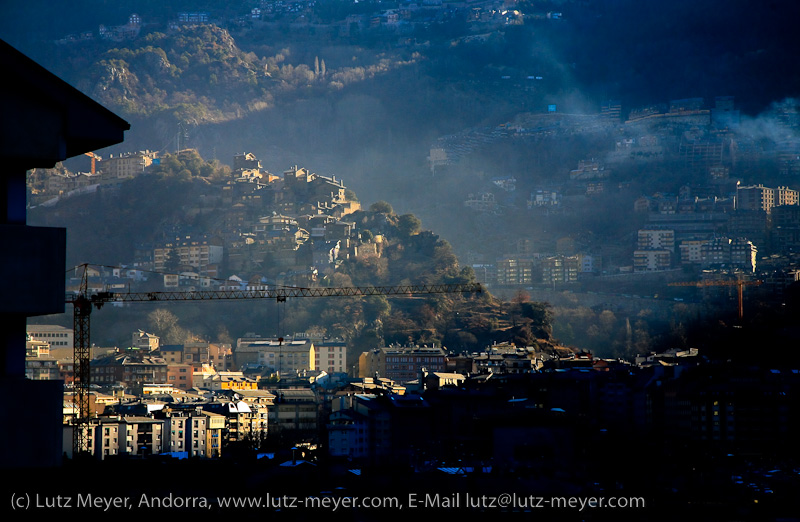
83, 301
738, 283
95, 158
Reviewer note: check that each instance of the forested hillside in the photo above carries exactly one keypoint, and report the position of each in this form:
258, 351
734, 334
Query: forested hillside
182, 194
367, 101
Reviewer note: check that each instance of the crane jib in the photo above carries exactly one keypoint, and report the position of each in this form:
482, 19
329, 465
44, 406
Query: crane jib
100, 298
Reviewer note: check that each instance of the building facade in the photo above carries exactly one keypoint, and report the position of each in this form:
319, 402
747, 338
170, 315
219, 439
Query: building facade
56, 336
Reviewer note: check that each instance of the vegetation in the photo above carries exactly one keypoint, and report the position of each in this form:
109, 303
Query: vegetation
371, 108
160, 204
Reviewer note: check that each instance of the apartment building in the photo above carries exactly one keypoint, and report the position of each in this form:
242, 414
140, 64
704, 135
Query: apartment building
141, 436
195, 432
215, 426
242, 420
129, 368
105, 437
716, 252
281, 356
202, 254
186, 432
514, 271
56, 336
330, 356
734, 253
180, 376
759, 197
405, 363
42, 368
752, 224
786, 228
295, 410
654, 250
743, 254
40, 365
401, 364
655, 239
127, 165
651, 260
561, 269
691, 251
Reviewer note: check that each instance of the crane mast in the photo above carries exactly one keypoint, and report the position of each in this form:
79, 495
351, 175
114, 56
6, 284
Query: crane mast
83, 302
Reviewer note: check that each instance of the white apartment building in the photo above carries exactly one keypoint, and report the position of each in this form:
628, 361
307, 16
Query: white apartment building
56, 336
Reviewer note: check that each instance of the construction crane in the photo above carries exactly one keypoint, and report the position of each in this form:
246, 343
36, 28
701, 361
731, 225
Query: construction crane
95, 158
83, 302
738, 283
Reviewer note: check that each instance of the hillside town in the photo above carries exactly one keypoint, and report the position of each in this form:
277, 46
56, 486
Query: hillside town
687, 409
713, 227
708, 226
401, 21
299, 221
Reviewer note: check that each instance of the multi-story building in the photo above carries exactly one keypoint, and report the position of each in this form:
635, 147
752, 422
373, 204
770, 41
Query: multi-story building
56, 336
514, 271
141, 436
39, 364
405, 363
130, 369
243, 421
215, 427
186, 431
198, 353
786, 228
196, 432
36, 348
127, 165
561, 269
171, 353
401, 363
330, 356
180, 376
759, 197
691, 251
106, 435
751, 224
202, 254
348, 434
295, 410
144, 341
279, 356
651, 260
654, 250
699, 152
656, 239
786, 196
743, 254
733, 253
716, 252
359, 427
